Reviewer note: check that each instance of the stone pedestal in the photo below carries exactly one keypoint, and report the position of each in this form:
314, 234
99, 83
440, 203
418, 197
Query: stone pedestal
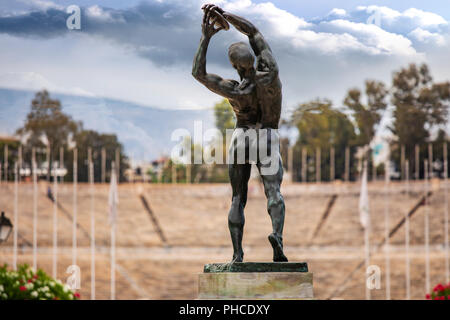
253, 280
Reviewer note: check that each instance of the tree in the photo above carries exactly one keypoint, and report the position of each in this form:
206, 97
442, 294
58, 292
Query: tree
367, 116
13, 146
322, 126
86, 139
46, 124
421, 107
420, 104
224, 115
225, 119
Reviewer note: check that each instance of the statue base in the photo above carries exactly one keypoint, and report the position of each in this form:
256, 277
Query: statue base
256, 280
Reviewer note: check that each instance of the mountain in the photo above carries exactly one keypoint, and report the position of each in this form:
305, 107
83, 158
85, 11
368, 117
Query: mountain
144, 131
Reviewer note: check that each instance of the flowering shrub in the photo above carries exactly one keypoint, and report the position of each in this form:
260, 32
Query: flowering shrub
440, 292
25, 284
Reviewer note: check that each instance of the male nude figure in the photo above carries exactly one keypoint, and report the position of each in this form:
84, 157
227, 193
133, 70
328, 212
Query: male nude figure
256, 101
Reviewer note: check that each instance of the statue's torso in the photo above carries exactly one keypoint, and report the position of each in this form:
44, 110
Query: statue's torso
258, 105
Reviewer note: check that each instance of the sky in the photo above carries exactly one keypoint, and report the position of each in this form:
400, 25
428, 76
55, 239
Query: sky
142, 51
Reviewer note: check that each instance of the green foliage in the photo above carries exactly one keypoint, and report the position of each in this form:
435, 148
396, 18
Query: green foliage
224, 115
46, 120
367, 116
13, 147
97, 141
46, 123
322, 126
421, 107
419, 104
25, 284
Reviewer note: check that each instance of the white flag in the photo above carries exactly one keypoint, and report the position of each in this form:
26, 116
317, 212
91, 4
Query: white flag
113, 196
364, 211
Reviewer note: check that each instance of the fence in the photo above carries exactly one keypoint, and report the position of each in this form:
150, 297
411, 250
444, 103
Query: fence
390, 227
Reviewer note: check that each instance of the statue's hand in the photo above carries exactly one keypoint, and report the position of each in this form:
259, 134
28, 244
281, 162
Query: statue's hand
209, 6
209, 20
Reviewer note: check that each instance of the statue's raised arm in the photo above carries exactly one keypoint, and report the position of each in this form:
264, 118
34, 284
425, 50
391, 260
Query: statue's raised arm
266, 65
215, 83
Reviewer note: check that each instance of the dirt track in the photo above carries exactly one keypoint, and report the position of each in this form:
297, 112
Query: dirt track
194, 220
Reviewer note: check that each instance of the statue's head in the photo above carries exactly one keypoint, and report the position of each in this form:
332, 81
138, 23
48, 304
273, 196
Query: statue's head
242, 59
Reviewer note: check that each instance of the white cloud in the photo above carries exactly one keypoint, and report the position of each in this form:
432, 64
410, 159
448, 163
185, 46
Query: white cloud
371, 38
401, 22
385, 12
336, 12
96, 12
336, 33
427, 37
35, 81
143, 54
423, 18
281, 22
41, 4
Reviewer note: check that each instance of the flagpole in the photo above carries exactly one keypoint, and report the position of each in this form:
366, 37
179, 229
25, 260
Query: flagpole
75, 208
35, 220
91, 184
113, 261
16, 215
61, 163
446, 244
427, 236
386, 232
55, 223
332, 164
304, 166
367, 257
430, 160
347, 164
47, 158
103, 165
113, 218
20, 159
5, 154
318, 162
117, 162
365, 221
417, 162
291, 162
407, 262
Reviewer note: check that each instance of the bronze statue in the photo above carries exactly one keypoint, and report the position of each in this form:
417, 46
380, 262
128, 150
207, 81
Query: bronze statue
256, 101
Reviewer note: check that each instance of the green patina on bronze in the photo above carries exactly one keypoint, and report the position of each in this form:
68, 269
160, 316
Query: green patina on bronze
256, 267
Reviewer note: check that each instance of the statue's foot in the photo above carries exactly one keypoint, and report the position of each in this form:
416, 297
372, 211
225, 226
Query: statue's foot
238, 257
278, 255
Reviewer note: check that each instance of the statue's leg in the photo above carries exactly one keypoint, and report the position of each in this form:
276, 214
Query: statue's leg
239, 175
275, 207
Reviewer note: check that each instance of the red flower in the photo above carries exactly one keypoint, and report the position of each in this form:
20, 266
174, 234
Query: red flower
76, 295
30, 280
442, 298
35, 276
23, 288
439, 287
428, 297
55, 298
